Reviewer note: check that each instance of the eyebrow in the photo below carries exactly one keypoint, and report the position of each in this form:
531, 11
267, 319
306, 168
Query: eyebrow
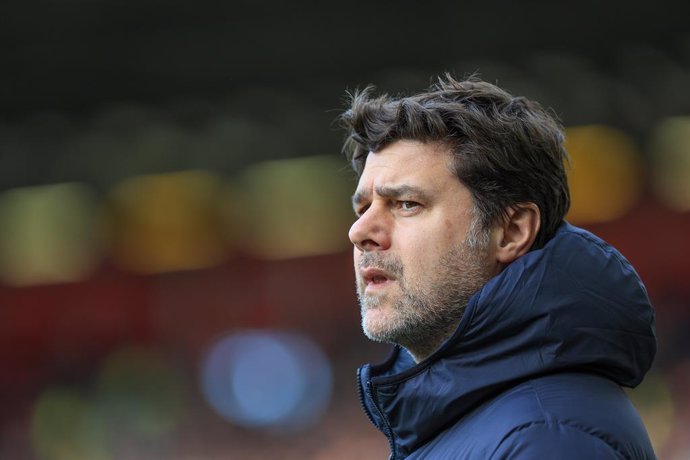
391, 192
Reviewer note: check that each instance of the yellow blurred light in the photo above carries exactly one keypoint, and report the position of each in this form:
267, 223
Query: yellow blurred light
167, 222
670, 149
606, 174
49, 234
64, 426
297, 207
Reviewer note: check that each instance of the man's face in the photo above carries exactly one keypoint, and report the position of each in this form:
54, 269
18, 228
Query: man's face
414, 269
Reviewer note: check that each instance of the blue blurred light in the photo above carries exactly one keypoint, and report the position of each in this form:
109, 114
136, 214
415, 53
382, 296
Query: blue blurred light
265, 379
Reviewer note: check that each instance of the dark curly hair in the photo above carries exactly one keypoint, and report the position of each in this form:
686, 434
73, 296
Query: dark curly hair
507, 150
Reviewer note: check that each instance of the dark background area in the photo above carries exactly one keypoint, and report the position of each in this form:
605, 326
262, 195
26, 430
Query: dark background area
76, 58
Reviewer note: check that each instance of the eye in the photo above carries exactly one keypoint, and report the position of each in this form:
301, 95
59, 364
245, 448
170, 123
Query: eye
408, 205
361, 210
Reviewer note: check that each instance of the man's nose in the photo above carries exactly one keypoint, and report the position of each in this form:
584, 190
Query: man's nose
371, 231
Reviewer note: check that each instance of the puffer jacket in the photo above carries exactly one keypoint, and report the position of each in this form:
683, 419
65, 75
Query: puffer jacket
534, 369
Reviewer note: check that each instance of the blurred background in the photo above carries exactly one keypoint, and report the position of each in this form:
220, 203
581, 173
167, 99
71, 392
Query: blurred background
175, 273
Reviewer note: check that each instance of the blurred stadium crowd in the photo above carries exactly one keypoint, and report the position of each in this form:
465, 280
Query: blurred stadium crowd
175, 277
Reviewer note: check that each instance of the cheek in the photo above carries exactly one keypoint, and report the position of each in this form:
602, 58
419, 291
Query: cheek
420, 255
441, 237
425, 253
454, 231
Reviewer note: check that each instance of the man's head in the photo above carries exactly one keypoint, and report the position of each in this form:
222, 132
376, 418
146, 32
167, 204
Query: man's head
454, 184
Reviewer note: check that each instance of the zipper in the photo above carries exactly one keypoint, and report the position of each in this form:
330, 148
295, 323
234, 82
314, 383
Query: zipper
360, 392
387, 430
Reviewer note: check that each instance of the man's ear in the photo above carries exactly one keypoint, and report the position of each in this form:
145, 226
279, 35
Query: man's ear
516, 234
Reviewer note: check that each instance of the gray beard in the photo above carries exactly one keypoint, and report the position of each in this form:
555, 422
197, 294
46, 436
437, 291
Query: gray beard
426, 312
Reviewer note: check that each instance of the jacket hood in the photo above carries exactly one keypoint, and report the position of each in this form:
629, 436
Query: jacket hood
574, 305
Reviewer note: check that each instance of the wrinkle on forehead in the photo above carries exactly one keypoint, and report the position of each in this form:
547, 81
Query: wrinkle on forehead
410, 167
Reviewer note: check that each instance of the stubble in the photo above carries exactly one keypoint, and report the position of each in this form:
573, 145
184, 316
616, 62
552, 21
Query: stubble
422, 312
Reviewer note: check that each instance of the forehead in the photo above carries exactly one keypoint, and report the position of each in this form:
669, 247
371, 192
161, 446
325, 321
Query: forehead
408, 162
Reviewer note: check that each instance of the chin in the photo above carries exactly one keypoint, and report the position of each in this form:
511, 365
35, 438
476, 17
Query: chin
376, 323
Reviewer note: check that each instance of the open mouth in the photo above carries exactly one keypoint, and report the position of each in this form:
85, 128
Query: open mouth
375, 277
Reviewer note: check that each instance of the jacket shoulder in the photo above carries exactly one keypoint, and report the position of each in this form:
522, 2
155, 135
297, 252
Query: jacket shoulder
558, 416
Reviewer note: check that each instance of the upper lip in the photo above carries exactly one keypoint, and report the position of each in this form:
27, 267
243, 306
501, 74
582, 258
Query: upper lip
368, 274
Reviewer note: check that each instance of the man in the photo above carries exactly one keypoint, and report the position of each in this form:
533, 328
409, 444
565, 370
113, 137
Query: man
514, 330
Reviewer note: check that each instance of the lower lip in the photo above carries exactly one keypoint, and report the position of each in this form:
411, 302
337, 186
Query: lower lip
379, 285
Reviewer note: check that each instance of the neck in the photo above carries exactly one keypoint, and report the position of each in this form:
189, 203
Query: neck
421, 351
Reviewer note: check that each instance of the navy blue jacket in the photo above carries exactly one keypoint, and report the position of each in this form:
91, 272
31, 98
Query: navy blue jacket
534, 369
